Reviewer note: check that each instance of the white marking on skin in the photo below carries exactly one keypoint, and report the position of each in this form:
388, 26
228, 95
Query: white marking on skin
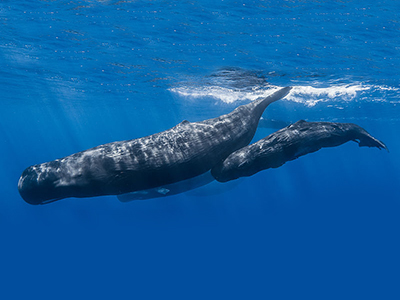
163, 191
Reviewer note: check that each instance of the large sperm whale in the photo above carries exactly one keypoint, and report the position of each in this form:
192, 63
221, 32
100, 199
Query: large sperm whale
180, 153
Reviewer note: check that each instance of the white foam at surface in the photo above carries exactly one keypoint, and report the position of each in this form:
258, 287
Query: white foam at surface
305, 94
310, 95
224, 94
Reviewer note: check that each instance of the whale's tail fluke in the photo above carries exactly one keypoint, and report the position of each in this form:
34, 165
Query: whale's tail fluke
364, 139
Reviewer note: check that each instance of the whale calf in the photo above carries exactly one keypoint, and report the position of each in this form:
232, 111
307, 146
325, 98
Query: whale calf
180, 153
288, 144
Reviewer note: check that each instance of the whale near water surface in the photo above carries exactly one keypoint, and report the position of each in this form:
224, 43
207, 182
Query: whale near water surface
180, 153
185, 157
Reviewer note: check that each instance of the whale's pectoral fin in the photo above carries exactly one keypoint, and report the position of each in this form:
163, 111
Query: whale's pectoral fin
138, 195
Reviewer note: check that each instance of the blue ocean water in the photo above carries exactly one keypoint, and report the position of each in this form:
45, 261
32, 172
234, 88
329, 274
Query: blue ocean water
76, 74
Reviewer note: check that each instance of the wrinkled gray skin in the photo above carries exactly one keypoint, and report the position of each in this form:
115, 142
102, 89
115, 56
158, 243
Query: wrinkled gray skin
182, 152
288, 144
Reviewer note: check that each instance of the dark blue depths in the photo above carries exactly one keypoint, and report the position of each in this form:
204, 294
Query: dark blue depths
74, 75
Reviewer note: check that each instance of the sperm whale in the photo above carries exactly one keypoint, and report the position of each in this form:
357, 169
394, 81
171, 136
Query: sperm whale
288, 144
180, 153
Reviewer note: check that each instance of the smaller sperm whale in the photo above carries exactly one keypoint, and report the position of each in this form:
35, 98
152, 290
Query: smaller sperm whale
288, 144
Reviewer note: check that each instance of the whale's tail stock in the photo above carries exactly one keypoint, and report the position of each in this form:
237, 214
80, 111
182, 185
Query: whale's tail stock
261, 104
282, 93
